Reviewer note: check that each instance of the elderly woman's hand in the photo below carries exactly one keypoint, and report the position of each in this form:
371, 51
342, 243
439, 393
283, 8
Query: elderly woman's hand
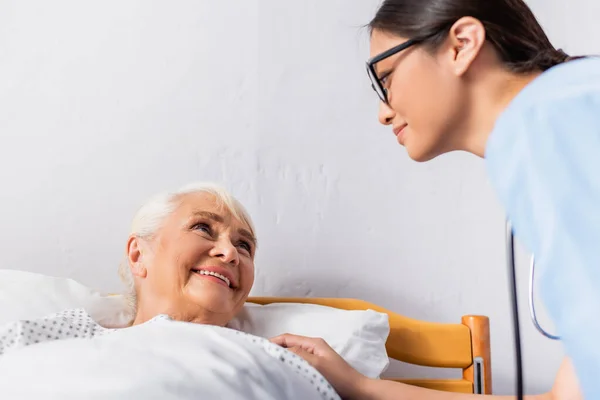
346, 380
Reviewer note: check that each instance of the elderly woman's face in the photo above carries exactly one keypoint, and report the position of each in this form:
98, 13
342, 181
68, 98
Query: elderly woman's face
200, 265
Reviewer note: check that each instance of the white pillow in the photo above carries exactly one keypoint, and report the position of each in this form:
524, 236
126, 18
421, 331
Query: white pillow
27, 295
358, 336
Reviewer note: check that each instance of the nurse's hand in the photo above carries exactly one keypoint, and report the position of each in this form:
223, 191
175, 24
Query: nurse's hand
566, 385
347, 381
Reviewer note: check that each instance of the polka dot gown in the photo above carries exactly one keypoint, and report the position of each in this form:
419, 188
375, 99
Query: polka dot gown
70, 324
78, 324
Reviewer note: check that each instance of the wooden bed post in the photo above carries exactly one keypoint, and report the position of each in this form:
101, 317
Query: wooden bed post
480, 372
464, 345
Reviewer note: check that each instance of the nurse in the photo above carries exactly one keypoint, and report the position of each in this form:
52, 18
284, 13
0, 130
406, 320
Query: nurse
483, 77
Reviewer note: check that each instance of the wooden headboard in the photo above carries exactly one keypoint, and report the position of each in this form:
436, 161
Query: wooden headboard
464, 345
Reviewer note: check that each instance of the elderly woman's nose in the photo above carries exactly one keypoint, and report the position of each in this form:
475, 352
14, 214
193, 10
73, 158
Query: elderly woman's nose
226, 251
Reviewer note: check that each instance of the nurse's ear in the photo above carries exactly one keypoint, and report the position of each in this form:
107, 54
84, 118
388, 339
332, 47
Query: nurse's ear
465, 42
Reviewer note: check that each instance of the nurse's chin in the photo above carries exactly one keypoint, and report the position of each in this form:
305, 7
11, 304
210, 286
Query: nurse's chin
420, 154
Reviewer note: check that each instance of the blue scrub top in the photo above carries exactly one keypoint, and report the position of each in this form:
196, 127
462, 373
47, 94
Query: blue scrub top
543, 159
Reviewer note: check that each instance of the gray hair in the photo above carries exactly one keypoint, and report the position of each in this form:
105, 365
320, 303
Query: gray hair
150, 217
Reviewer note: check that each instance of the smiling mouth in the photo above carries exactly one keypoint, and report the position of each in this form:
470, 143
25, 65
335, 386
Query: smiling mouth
400, 129
214, 274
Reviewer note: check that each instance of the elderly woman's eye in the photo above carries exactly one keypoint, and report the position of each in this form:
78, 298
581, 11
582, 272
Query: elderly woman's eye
246, 246
202, 227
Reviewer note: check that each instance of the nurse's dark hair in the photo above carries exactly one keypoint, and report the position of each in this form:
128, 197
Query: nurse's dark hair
510, 27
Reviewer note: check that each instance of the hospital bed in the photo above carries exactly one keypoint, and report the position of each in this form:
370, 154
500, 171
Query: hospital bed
464, 345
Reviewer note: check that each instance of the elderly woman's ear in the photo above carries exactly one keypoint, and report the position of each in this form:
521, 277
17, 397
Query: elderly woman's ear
136, 255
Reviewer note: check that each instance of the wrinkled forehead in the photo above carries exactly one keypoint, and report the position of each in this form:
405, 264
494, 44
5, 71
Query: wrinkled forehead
192, 204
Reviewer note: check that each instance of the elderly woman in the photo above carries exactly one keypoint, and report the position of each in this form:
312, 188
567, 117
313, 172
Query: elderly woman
189, 257
189, 267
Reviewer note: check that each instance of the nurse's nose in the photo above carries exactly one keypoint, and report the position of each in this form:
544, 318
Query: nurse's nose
386, 114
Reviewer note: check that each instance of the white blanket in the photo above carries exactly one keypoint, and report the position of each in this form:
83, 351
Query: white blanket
162, 360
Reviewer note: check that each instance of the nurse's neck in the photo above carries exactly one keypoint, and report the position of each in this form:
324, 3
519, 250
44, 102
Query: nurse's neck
492, 91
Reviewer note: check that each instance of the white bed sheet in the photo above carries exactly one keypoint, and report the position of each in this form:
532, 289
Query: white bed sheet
163, 360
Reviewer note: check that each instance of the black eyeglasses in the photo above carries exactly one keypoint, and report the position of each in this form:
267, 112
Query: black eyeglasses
376, 83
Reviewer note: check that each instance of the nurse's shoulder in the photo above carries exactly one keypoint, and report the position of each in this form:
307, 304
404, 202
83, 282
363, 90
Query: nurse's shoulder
576, 79
561, 100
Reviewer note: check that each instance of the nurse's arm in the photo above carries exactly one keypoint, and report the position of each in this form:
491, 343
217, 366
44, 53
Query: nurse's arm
352, 385
565, 388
